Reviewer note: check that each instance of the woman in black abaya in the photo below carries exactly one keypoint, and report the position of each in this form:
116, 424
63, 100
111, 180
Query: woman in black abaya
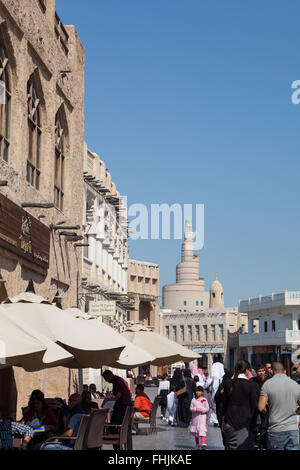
184, 415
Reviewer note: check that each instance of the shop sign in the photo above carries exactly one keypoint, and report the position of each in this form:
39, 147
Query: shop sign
23, 234
259, 349
209, 349
286, 350
104, 308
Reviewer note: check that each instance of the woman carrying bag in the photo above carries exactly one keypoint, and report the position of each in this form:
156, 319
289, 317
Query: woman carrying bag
185, 393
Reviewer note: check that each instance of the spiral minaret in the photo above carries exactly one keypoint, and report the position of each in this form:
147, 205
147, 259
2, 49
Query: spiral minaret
189, 290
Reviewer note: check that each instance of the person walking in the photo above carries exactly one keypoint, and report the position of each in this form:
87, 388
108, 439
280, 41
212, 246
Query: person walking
259, 422
199, 408
172, 406
282, 395
238, 407
217, 374
163, 390
268, 370
219, 400
296, 373
185, 394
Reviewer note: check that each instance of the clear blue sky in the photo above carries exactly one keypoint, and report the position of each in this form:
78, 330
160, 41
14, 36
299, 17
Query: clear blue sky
189, 101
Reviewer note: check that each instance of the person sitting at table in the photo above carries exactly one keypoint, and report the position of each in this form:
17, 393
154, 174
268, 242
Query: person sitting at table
39, 414
10, 429
94, 392
76, 412
64, 414
87, 403
142, 406
34, 394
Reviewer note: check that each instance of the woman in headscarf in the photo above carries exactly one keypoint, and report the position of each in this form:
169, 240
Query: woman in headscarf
220, 400
194, 370
217, 374
240, 401
176, 379
184, 415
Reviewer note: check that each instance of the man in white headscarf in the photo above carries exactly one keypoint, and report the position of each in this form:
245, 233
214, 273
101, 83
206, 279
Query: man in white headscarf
217, 373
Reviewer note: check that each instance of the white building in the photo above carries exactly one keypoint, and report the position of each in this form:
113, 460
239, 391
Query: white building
273, 328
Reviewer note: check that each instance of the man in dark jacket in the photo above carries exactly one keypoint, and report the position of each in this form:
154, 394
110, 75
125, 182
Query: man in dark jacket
238, 408
296, 373
220, 400
259, 422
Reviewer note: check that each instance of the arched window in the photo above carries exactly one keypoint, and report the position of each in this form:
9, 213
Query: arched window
34, 135
5, 104
59, 162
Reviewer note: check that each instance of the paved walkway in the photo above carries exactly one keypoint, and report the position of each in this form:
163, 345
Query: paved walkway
172, 438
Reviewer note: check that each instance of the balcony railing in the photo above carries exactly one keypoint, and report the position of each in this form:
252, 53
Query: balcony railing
284, 298
270, 338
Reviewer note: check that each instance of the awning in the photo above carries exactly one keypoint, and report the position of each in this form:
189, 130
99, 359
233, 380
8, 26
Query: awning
165, 352
24, 347
132, 356
75, 335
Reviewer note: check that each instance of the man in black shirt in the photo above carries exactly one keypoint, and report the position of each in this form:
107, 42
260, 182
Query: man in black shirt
259, 422
123, 399
238, 407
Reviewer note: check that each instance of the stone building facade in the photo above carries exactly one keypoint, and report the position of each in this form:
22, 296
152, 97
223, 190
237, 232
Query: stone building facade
105, 250
143, 289
210, 333
41, 155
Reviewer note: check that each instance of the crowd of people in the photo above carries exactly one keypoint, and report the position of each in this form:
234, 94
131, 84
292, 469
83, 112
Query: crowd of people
255, 408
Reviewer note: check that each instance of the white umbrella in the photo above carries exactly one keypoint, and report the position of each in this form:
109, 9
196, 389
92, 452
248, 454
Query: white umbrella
22, 347
75, 335
164, 351
132, 356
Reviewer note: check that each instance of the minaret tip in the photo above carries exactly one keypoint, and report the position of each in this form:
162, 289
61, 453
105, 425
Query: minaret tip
188, 223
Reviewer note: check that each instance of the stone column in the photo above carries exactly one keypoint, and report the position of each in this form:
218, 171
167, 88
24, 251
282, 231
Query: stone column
98, 252
209, 362
295, 317
92, 254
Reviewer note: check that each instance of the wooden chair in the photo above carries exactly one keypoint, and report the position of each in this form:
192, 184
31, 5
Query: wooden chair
119, 437
94, 438
79, 440
99, 401
152, 420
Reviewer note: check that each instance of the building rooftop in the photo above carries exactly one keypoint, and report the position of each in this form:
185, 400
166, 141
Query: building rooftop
270, 301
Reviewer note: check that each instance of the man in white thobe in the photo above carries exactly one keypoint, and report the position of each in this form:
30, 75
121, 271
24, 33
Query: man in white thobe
216, 376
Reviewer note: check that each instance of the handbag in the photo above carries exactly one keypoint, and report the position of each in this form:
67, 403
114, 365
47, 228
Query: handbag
182, 390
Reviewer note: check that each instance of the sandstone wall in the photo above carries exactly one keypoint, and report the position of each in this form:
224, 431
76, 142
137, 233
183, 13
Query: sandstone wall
28, 34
